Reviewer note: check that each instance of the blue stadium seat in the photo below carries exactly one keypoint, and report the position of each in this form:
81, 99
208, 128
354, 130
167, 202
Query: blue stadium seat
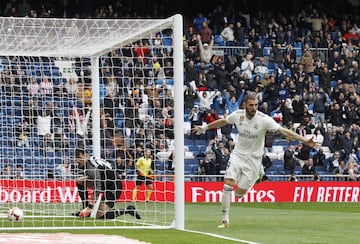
55, 71
27, 171
159, 82
321, 170
201, 142
298, 169
130, 173
167, 41
218, 40
50, 154
311, 108
288, 72
25, 152
160, 165
39, 161
191, 162
194, 170
120, 123
102, 92
202, 148
280, 169
17, 102
47, 73
159, 172
188, 142
281, 142
58, 161
39, 173
197, 102
28, 162
277, 162
188, 170
333, 35
50, 163
193, 148
298, 49
8, 151
170, 82
273, 170
333, 84
316, 80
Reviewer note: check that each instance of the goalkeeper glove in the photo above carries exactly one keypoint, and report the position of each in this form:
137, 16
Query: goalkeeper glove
85, 212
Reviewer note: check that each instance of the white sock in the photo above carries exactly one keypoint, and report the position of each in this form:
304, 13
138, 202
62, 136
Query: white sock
225, 202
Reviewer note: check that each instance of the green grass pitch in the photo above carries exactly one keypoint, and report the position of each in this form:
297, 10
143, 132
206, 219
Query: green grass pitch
253, 222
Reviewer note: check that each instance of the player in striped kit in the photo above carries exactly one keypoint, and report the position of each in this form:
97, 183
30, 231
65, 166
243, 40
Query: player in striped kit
106, 184
244, 166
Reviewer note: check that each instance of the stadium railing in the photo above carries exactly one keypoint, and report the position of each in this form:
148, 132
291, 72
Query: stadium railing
326, 177
239, 50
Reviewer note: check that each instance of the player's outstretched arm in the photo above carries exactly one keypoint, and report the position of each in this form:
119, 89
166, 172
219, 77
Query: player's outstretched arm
290, 134
202, 129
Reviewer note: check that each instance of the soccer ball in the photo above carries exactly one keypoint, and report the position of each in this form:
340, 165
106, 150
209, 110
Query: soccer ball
15, 214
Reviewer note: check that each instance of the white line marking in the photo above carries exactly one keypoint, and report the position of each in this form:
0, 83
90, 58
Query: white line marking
220, 236
96, 206
64, 238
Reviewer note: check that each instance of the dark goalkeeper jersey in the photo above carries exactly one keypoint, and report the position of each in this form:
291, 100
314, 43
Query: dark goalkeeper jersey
103, 176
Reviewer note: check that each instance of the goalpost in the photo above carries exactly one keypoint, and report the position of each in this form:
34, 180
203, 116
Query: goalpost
114, 86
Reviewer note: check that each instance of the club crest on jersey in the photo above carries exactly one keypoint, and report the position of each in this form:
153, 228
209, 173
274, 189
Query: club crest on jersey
241, 119
256, 126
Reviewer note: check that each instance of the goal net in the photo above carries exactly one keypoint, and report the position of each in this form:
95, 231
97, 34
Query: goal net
106, 85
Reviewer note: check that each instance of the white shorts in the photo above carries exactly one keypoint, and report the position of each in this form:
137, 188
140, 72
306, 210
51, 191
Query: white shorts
244, 169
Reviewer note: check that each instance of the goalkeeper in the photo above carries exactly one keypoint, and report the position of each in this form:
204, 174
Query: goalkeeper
144, 167
105, 183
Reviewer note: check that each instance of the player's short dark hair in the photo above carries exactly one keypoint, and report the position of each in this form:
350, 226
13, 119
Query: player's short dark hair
249, 97
79, 151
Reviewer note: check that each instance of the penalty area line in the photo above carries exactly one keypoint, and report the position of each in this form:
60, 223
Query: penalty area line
220, 236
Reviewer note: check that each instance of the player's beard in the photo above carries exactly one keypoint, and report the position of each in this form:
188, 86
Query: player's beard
250, 114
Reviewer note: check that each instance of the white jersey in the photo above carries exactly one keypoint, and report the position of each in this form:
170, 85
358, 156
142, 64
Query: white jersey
252, 132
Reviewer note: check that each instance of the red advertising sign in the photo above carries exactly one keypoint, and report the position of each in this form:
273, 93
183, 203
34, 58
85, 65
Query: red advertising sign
278, 192
66, 191
38, 191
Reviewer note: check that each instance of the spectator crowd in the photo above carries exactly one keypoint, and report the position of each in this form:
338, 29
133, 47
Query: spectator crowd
303, 68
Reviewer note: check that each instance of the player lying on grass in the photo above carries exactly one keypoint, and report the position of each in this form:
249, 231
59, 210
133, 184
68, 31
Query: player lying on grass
105, 183
244, 166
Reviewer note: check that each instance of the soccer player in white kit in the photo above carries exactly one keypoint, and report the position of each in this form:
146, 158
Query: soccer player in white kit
244, 167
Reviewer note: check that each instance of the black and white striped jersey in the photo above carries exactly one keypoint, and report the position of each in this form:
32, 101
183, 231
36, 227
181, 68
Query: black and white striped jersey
101, 174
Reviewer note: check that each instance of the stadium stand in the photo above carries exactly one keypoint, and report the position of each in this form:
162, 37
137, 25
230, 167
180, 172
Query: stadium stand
11, 111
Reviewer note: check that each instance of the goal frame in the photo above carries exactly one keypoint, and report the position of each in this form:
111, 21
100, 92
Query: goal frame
18, 45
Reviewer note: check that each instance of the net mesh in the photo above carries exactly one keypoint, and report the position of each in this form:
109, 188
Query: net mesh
71, 37
47, 111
